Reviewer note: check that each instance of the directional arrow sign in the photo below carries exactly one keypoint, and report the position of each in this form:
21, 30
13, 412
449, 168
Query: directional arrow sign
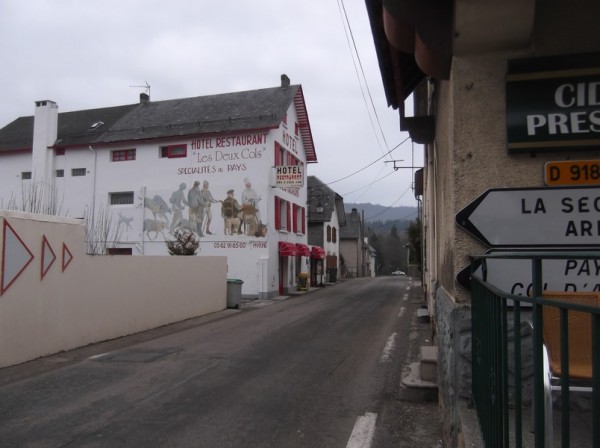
514, 275
535, 217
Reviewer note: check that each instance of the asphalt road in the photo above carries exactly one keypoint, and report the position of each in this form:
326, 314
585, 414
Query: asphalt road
317, 370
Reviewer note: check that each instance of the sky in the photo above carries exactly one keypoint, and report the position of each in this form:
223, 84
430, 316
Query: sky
92, 54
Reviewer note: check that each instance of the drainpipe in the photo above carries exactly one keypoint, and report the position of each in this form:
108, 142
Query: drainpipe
94, 187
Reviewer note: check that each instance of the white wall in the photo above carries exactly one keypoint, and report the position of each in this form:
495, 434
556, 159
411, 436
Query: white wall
65, 299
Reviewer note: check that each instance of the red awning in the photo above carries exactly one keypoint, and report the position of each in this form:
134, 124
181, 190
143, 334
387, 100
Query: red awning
287, 249
318, 253
303, 250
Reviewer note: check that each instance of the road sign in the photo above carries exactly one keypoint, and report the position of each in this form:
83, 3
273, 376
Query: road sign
572, 172
514, 275
535, 217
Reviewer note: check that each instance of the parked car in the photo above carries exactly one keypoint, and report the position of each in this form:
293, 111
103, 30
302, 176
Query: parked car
398, 273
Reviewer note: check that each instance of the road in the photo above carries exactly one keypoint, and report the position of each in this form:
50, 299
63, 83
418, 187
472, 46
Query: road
316, 370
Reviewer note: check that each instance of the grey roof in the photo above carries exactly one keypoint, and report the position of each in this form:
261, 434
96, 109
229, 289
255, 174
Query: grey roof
329, 199
222, 113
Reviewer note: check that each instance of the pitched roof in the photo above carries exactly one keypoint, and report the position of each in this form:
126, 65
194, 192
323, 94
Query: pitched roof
250, 110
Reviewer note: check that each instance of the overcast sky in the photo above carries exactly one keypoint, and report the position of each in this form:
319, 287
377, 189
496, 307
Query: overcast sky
87, 54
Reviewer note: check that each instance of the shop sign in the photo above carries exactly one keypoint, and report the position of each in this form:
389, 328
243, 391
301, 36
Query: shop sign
553, 104
289, 176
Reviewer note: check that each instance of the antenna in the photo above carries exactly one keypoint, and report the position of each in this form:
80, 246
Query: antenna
146, 88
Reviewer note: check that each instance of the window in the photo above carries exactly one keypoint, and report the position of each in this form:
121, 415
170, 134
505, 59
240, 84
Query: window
121, 198
329, 234
297, 129
75, 172
334, 235
299, 215
122, 155
59, 152
284, 120
60, 173
26, 175
282, 214
279, 155
173, 151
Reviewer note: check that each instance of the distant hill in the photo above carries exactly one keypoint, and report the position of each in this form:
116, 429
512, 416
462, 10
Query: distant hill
380, 213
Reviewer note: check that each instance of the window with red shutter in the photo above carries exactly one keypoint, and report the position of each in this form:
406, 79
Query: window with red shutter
277, 213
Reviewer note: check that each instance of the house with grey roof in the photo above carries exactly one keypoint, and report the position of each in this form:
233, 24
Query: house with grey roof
139, 173
326, 216
354, 247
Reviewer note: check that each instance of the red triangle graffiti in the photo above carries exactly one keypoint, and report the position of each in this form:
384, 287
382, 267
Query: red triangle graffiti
16, 256
48, 256
67, 257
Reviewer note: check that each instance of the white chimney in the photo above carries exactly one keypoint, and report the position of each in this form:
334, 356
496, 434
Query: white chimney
45, 132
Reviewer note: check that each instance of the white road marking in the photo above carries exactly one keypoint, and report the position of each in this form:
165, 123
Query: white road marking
405, 298
363, 432
402, 311
408, 288
98, 356
389, 346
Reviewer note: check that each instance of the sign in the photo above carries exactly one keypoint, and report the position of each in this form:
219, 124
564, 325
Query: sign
289, 176
514, 275
572, 172
553, 104
535, 217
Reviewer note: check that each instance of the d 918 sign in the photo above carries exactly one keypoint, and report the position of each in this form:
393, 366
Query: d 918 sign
573, 172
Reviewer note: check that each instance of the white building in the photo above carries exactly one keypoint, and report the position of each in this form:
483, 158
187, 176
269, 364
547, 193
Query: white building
131, 168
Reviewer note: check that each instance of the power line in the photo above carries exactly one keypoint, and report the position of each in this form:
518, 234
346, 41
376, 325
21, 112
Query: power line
370, 164
356, 57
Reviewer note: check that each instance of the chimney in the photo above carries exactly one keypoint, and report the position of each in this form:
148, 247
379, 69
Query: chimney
285, 81
144, 98
45, 133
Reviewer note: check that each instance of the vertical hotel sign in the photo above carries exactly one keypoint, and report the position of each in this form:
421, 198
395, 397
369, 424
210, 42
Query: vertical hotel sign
553, 104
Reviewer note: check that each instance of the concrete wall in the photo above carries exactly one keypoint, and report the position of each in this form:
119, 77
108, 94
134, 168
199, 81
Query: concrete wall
54, 297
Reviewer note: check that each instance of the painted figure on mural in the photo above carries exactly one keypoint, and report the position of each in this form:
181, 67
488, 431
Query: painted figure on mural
208, 201
230, 211
178, 203
251, 215
196, 205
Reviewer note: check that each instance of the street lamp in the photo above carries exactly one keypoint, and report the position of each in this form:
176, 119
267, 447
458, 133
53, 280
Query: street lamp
319, 199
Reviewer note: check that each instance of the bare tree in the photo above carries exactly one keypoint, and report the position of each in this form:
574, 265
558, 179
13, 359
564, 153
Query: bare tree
101, 233
37, 197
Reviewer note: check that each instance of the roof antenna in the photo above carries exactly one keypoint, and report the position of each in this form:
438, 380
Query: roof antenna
146, 88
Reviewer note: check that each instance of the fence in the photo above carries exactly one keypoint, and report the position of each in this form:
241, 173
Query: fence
499, 323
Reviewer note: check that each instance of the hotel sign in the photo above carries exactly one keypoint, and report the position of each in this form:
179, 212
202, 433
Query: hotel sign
553, 104
289, 176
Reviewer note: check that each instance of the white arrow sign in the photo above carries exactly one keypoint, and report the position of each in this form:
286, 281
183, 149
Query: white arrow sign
514, 275
535, 217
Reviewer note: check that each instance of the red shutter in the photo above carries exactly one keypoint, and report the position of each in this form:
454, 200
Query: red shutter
277, 213
295, 219
303, 221
288, 207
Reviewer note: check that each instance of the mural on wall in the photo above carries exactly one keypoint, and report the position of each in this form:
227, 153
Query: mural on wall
196, 209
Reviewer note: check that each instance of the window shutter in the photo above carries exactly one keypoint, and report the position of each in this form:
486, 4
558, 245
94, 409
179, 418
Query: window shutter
277, 213
288, 208
303, 220
295, 218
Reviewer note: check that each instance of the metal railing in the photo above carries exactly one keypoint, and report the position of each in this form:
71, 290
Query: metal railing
498, 317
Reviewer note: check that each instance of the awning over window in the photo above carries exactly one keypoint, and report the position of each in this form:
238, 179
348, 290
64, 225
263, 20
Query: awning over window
303, 250
287, 249
317, 253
